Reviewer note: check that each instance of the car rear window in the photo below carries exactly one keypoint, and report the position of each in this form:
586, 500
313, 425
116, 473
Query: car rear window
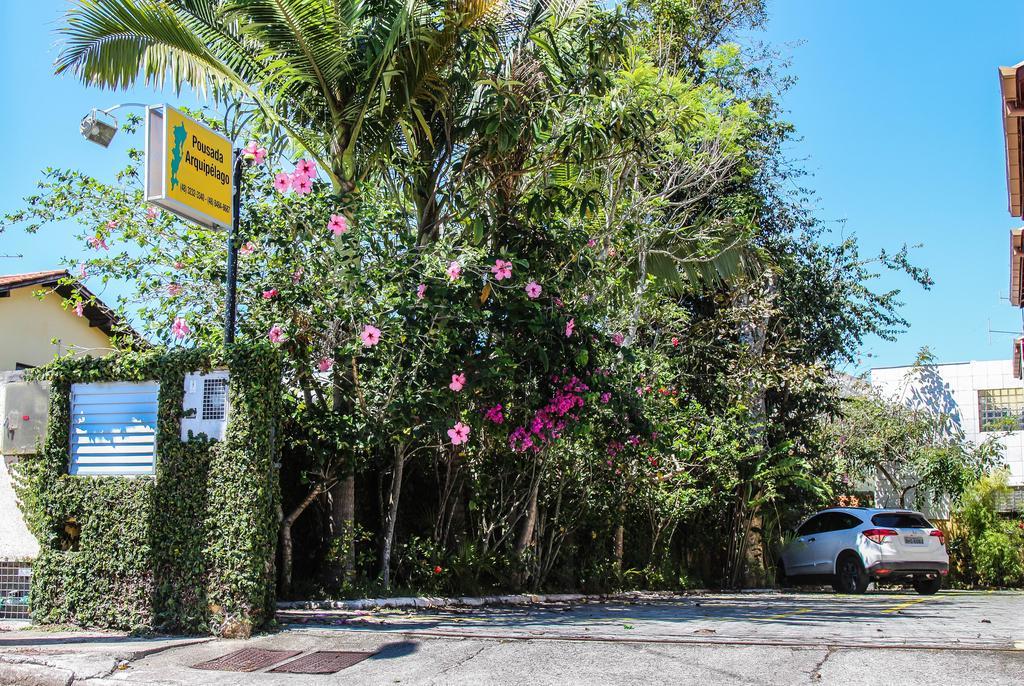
901, 520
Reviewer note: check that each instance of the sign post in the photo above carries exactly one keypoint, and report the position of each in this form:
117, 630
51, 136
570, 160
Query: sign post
193, 172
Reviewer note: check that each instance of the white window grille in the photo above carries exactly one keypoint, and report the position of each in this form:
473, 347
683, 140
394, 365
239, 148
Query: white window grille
113, 428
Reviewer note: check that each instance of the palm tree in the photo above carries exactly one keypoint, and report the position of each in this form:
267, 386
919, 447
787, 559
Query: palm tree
340, 77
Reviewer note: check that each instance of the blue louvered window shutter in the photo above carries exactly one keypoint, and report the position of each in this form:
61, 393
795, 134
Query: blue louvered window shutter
113, 428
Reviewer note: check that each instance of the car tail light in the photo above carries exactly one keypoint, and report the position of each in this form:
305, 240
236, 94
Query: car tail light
879, 535
941, 536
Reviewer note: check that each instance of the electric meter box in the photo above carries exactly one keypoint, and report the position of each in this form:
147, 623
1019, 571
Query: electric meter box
24, 416
206, 407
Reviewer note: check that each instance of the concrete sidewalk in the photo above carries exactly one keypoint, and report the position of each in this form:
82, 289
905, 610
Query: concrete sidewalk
795, 638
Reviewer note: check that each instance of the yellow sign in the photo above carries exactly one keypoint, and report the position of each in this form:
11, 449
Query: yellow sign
188, 168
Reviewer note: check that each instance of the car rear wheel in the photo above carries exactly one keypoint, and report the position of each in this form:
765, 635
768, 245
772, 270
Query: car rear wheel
851, 577
780, 575
926, 586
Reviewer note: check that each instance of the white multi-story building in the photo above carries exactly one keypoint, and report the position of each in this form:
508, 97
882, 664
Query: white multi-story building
983, 398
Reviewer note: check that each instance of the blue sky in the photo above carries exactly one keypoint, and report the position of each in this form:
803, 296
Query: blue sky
896, 103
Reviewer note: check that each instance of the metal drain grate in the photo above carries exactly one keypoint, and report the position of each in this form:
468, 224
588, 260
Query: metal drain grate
322, 662
246, 660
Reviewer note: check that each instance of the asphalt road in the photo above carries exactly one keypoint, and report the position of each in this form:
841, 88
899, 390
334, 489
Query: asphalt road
806, 638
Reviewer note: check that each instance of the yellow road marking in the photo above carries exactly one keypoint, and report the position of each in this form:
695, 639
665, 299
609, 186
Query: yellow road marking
902, 606
801, 611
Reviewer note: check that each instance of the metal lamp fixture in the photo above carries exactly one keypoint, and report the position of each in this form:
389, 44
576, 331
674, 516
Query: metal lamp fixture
99, 126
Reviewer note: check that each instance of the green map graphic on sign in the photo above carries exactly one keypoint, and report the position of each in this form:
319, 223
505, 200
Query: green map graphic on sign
180, 136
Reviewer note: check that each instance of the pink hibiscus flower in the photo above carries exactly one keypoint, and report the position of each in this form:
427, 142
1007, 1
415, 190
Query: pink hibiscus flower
173, 289
96, 242
501, 270
618, 339
591, 243
533, 290
297, 275
270, 294
454, 271
337, 224
276, 334
112, 224
254, 152
570, 327
248, 249
301, 184
83, 273
179, 265
459, 433
306, 167
152, 213
325, 364
421, 291
80, 309
180, 328
458, 381
282, 183
370, 336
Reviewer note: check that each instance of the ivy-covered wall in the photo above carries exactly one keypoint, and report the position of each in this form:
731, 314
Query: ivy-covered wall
190, 549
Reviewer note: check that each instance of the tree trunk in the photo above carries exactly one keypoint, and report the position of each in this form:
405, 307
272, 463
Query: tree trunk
286, 538
620, 532
389, 528
526, 533
343, 510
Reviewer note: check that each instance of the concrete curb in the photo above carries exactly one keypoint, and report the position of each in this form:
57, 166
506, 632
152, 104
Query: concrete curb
32, 674
480, 601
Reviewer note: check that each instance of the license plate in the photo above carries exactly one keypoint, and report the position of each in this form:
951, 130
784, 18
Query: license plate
913, 540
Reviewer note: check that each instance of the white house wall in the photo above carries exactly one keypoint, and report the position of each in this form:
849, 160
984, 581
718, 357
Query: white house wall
953, 389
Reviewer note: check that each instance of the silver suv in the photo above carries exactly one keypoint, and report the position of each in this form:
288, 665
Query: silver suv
853, 546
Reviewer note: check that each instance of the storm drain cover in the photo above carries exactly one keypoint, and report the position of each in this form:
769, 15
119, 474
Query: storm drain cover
247, 660
322, 662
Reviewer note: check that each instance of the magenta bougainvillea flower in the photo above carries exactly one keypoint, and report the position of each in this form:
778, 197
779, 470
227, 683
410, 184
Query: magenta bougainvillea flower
501, 270
173, 289
459, 433
307, 168
550, 421
276, 334
337, 224
282, 182
80, 309
675, 341
495, 415
270, 294
180, 328
421, 291
370, 336
325, 364
454, 270
533, 290
301, 184
618, 339
458, 381
570, 327
606, 397
254, 152
248, 249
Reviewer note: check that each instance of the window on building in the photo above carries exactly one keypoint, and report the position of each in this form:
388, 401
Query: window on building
1001, 409
113, 428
